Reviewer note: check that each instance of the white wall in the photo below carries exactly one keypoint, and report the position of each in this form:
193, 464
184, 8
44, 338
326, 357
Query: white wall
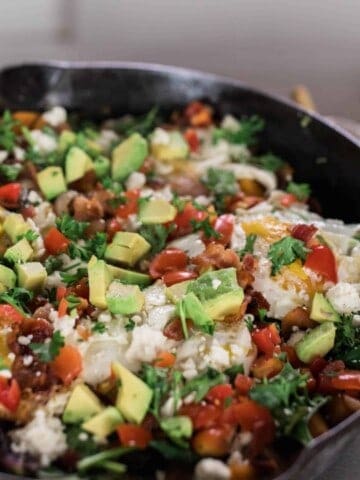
273, 44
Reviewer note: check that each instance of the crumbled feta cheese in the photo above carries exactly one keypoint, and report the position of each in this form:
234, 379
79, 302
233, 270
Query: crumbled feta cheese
43, 437
215, 283
19, 153
229, 122
44, 215
238, 237
22, 340
55, 116
34, 198
158, 317
5, 373
107, 138
57, 403
212, 469
83, 436
168, 409
28, 360
105, 317
37, 244
344, 297
191, 244
44, 143
160, 137
155, 295
3, 155
135, 180
65, 324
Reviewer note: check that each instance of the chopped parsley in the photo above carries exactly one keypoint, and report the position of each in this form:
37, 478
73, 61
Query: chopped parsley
130, 325
302, 191
70, 278
71, 228
73, 301
156, 235
202, 383
83, 446
48, 350
114, 186
30, 236
246, 133
222, 184
249, 245
269, 162
205, 227
158, 380
17, 297
286, 251
99, 327
52, 264
143, 124
10, 172
285, 395
347, 342
94, 246
7, 134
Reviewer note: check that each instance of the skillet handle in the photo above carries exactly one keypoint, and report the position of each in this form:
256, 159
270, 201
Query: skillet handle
302, 96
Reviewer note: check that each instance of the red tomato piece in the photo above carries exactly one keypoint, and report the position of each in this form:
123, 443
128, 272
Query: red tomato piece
288, 199
10, 394
202, 415
219, 393
10, 193
266, 339
243, 383
60, 292
192, 139
68, 364
174, 329
247, 414
112, 227
170, 278
131, 435
224, 226
170, 259
183, 219
213, 442
303, 232
55, 242
9, 315
337, 381
322, 261
131, 205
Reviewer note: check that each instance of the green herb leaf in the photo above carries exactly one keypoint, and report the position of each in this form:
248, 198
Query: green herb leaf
347, 342
10, 172
52, 264
178, 429
156, 235
302, 191
17, 297
158, 380
70, 278
48, 350
205, 227
173, 452
30, 236
201, 384
221, 183
71, 228
73, 301
130, 325
245, 135
98, 459
233, 371
82, 447
269, 162
7, 134
249, 245
142, 124
286, 251
99, 327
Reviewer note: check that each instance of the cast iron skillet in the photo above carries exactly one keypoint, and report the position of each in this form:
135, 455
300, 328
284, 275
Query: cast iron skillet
322, 154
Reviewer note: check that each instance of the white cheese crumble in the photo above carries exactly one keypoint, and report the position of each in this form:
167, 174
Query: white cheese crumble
19, 153
65, 324
55, 116
43, 437
44, 143
3, 155
135, 180
344, 297
212, 469
191, 244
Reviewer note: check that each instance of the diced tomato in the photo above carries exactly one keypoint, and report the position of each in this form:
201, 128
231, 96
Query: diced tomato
213, 442
9, 315
192, 139
198, 114
266, 367
10, 393
224, 226
10, 193
243, 383
322, 261
68, 364
303, 232
288, 199
170, 278
164, 360
202, 415
336, 381
183, 220
55, 242
63, 306
112, 227
28, 212
131, 435
266, 339
170, 259
220, 393
174, 329
131, 205
60, 292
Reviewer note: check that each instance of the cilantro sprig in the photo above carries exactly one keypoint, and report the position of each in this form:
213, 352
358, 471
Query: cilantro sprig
302, 191
249, 245
222, 184
246, 134
286, 251
71, 228
48, 350
17, 297
7, 134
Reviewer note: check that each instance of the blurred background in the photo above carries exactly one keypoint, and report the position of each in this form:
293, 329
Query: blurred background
269, 44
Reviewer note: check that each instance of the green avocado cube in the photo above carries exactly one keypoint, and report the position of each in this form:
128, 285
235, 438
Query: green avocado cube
82, 405
77, 163
194, 310
7, 277
157, 210
51, 182
176, 148
130, 277
15, 225
128, 156
101, 166
104, 423
177, 291
134, 396
20, 252
322, 310
316, 342
127, 248
66, 139
124, 299
222, 306
31, 275
214, 283
99, 280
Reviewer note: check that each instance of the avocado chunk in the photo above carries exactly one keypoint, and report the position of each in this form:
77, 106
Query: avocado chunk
128, 156
82, 405
175, 147
317, 342
127, 248
104, 423
156, 210
322, 310
134, 396
77, 163
15, 225
51, 182
220, 307
20, 252
101, 166
7, 278
177, 291
66, 139
31, 275
178, 428
130, 277
99, 281
191, 308
125, 299
214, 283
